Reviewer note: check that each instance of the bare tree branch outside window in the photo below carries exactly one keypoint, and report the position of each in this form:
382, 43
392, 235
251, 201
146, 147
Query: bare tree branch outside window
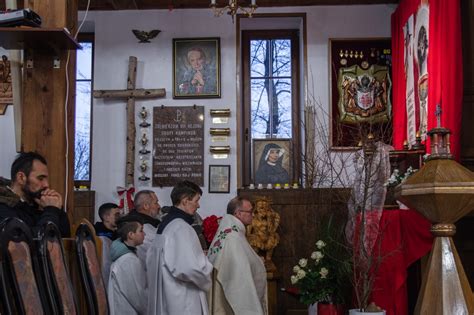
271, 88
82, 145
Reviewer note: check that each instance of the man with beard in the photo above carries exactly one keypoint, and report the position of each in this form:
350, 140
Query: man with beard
29, 197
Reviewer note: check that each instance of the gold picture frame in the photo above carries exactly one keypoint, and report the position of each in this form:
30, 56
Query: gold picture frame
196, 68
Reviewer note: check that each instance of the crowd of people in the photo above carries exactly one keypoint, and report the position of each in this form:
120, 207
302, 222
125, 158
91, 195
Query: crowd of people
155, 266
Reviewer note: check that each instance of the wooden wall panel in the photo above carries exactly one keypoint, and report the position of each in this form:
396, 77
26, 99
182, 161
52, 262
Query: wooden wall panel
84, 206
44, 116
467, 139
464, 238
300, 212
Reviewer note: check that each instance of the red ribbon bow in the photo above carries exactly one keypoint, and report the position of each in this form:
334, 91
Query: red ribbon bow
126, 194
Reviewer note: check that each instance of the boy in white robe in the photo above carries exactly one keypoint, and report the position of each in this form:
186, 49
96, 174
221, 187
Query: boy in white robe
127, 282
240, 279
147, 208
178, 272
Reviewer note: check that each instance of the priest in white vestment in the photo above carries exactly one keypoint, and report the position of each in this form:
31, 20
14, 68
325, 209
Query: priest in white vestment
239, 279
178, 272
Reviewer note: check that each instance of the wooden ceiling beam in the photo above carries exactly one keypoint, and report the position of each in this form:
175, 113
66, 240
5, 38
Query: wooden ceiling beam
123, 4
105, 5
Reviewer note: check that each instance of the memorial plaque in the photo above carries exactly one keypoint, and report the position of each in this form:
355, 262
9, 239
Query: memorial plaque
178, 145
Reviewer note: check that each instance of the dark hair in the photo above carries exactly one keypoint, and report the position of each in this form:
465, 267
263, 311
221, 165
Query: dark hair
141, 197
127, 227
105, 208
184, 189
235, 203
24, 163
131, 217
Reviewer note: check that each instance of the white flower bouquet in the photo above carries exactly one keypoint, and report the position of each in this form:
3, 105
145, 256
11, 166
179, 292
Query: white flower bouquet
316, 278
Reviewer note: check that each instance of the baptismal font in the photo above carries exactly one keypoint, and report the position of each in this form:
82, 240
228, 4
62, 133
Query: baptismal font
442, 191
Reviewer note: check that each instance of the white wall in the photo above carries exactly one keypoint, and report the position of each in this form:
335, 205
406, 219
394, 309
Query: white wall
7, 137
115, 43
7, 142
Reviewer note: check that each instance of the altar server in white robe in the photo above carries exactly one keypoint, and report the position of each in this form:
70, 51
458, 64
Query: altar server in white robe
127, 282
178, 272
240, 279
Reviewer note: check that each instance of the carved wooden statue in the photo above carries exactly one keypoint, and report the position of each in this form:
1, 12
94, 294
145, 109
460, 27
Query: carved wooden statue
262, 234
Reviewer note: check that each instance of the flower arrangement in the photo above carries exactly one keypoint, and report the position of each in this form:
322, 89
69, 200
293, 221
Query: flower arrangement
321, 278
396, 177
209, 226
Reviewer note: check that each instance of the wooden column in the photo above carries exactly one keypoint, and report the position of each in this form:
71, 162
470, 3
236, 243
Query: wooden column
44, 115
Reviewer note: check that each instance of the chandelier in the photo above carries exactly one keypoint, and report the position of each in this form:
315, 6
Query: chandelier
233, 8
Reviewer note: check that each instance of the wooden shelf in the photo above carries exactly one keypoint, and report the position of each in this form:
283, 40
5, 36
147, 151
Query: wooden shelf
36, 38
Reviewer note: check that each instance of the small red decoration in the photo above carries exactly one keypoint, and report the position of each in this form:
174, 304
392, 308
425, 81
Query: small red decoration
210, 226
126, 198
294, 291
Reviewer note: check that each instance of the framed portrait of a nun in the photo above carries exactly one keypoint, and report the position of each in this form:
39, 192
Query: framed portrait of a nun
271, 161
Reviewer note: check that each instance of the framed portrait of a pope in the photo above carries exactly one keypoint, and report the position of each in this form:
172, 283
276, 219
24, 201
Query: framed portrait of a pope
196, 68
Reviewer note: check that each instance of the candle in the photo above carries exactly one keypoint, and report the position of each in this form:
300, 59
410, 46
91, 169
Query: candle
254, 2
213, 2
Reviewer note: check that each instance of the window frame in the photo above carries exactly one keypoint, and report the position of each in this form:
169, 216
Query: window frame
90, 38
246, 155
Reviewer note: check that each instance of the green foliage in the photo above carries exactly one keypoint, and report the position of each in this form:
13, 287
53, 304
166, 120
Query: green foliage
325, 275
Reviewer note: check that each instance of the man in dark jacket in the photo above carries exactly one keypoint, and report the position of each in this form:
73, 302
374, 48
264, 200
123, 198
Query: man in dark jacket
109, 213
29, 197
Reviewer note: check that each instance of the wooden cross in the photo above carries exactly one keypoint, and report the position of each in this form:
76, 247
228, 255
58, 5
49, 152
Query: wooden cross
131, 93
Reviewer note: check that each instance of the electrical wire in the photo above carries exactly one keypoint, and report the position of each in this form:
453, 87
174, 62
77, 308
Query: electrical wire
66, 103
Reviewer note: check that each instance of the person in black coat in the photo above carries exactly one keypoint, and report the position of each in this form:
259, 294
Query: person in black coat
29, 197
109, 213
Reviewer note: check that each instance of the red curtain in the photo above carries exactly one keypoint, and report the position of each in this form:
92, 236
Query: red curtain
404, 238
445, 77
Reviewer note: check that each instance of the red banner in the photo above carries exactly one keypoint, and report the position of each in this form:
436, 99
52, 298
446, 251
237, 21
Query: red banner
426, 69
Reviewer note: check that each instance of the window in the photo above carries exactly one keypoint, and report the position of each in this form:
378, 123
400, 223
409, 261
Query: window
270, 61
83, 117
